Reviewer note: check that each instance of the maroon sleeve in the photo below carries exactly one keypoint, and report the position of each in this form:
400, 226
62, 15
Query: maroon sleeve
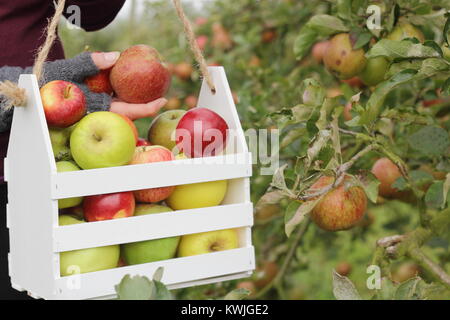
96, 14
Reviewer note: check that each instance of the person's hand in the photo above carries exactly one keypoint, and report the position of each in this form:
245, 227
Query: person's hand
105, 60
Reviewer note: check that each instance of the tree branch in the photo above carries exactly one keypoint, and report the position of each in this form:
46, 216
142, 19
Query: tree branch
428, 265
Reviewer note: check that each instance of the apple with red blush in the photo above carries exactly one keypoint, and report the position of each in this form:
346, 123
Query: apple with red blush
108, 206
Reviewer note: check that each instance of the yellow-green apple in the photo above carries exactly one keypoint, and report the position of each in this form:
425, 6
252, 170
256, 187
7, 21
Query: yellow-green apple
150, 250
374, 71
183, 70
341, 59
108, 206
386, 172
191, 101
208, 242
405, 30
162, 128
197, 195
102, 139
86, 260
341, 208
142, 142
132, 126
99, 83
319, 49
64, 103
66, 166
60, 139
149, 154
201, 132
139, 75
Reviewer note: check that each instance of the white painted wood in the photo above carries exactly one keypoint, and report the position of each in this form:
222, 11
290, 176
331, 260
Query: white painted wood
176, 271
150, 175
32, 213
34, 187
154, 226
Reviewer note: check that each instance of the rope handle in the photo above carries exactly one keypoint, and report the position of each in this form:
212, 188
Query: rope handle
17, 97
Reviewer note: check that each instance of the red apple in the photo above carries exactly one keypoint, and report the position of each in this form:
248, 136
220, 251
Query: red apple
348, 111
132, 126
341, 208
148, 154
191, 101
201, 21
354, 82
386, 172
108, 206
201, 133
319, 49
139, 76
142, 142
183, 70
100, 83
268, 35
64, 103
202, 41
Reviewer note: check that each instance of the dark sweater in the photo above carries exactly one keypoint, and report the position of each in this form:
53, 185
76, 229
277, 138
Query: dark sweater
22, 23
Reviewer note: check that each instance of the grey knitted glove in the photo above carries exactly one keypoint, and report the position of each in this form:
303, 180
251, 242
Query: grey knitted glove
73, 70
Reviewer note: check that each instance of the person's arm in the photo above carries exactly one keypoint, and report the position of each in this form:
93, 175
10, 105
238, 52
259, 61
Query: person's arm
96, 14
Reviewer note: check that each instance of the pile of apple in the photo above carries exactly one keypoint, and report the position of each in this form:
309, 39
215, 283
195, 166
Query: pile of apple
103, 139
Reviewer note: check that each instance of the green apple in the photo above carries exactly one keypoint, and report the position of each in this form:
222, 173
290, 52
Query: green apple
374, 71
60, 142
207, 242
102, 139
150, 250
86, 260
405, 30
162, 128
65, 166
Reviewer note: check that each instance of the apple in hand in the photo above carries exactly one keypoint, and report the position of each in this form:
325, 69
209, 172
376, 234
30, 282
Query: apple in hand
99, 83
201, 133
102, 139
208, 242
147, 155
198, 195
66, 166
64, 103
86, 260
162, 128
341, 208
60, 142
150, 250
139, 76
108, 206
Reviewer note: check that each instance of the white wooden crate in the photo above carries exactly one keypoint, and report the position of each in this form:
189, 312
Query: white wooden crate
34, 186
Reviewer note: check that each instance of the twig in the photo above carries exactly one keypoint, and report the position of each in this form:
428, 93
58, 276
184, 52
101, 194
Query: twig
430, 266
286, 263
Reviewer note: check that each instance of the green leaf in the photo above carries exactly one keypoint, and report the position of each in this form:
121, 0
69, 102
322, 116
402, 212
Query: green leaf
304, 41
343, 288
430, 140
409, 290
370, 185
387, 290
446, 29
134, 288
404, 49
278, 180
237, 294
295, 214
157, 276
160, 292
434, 198
269, 198
362, 39
318, 144
326, 25
313, 94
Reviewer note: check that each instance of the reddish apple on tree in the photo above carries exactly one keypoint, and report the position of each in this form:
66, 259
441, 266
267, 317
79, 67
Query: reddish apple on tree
201, 132
108, 206
64, 103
